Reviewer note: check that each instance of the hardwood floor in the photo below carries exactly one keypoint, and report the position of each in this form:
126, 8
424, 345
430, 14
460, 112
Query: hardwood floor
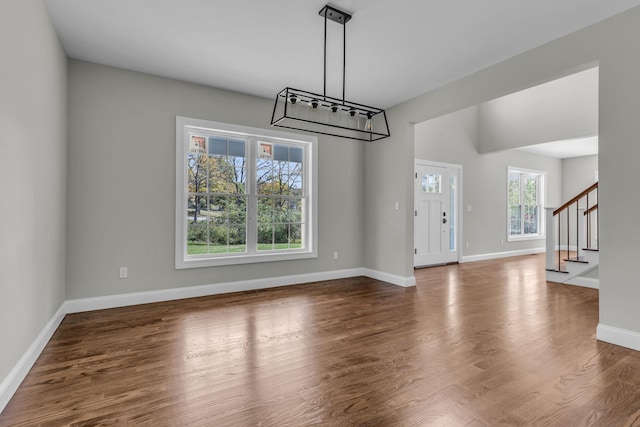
486, 343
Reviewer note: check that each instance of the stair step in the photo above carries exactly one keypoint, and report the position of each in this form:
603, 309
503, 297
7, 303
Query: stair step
591, 249
579, 259
557, 271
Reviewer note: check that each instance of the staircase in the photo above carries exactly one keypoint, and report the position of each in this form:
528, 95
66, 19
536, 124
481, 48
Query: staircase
572, 240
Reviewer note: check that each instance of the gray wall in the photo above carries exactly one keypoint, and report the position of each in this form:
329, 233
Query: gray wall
578, 173
561, 109
33, 117
121, 205
612, 44
453, 138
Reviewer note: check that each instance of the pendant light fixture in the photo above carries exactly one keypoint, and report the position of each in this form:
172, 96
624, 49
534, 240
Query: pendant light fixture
311, 112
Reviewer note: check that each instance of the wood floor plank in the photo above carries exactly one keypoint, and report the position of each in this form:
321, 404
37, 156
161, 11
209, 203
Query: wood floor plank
480, 344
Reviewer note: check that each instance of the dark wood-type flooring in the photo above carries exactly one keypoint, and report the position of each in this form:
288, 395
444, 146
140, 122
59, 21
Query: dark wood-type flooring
482, 344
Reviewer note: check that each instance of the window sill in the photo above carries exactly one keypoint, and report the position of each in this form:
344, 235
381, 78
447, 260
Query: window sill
524, 238
198, 262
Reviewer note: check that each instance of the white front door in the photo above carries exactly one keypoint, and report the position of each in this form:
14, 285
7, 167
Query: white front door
435, 222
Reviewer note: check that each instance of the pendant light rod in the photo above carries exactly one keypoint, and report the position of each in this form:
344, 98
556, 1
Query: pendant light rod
325, 55
344, 58
341, 18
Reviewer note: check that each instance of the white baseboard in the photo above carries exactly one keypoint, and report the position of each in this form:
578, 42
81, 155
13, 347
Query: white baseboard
124, 300
585, 282
405, 282
11, 383
617, 336
483, 257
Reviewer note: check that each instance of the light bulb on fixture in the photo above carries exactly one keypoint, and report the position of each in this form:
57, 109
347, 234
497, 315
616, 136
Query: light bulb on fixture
368, 126
334, 107
293, 98
352, 111
314, 103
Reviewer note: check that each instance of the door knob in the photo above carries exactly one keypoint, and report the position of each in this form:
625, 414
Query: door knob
444, 220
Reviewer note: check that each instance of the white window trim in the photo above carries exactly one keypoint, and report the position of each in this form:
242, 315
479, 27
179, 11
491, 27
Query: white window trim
182, 260
541, 197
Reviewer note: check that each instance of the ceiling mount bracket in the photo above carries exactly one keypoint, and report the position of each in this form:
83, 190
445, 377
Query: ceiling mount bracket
335, 15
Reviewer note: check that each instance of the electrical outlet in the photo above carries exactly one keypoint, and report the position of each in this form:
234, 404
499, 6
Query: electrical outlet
335, 255
124, 272
467, 245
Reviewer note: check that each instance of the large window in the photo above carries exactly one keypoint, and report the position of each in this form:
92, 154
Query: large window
525, 195
243, 194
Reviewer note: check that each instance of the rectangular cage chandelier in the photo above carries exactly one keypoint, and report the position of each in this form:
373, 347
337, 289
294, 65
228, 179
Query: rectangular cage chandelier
311, 112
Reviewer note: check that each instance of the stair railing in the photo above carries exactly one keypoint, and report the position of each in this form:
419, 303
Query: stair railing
586, 226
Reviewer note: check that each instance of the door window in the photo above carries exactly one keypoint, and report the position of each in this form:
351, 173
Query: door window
431, 183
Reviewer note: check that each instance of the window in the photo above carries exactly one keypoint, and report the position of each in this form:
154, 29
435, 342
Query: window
431, 183
243, 195
453, 211
525, 193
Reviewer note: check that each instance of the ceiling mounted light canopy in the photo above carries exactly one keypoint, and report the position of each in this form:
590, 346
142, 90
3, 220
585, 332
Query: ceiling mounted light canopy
311, 112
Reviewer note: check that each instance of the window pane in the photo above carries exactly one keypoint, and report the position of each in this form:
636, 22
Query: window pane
197, 232
218, 210
281, 153
197, 144
237, 210
237, 238
195, 207
217, 146
227, 224
295, 179
218, 237
236, 147
227, 175
514, 188
280, 210
265, 210
197, 173
431, 183
514, 220
281, 173
267, 177
296, 154
295, 210
531, 220
273, 177
530, 190
265, 237
281, 236
295, 236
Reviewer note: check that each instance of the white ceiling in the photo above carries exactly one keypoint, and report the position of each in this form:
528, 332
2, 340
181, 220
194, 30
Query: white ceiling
396, 49
565, 149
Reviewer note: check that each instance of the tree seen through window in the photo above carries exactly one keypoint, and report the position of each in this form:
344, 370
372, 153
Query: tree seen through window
218, 198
